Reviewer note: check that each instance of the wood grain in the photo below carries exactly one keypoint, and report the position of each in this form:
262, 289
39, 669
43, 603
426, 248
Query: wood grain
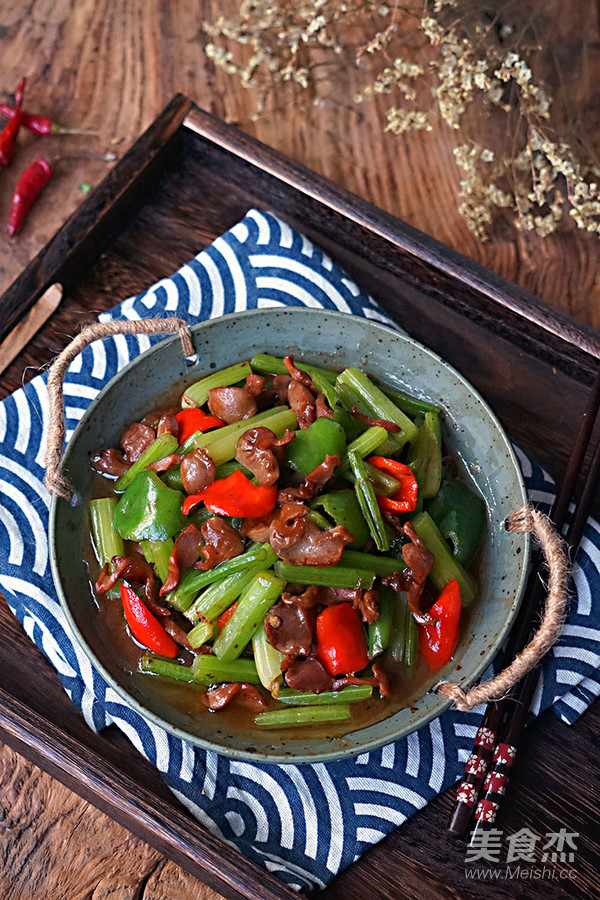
112, 66
47, 833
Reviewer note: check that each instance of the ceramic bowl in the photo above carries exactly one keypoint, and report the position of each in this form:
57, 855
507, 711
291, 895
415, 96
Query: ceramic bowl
335, 340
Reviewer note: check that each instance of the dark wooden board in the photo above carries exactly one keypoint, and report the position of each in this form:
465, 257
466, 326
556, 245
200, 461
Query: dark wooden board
186, 181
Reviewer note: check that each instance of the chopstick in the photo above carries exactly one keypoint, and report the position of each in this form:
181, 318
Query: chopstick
17, 339
509, 715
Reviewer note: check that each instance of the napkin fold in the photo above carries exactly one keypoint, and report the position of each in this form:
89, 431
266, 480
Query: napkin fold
304, 823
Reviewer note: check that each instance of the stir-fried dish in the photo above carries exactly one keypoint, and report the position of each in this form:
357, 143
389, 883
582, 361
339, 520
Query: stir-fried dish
287, 538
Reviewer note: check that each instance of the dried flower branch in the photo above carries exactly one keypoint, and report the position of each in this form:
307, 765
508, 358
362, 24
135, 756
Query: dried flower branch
471, 61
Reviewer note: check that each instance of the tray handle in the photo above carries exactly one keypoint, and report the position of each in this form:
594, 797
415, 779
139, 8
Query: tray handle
55, 480
531, 520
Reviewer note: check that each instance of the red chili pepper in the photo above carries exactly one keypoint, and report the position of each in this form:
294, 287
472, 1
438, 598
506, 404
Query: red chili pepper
234, 495
341, 642
8, 135
40, 125
29, 186
225, 616
192, 420
144, 626
438, 639
405, 499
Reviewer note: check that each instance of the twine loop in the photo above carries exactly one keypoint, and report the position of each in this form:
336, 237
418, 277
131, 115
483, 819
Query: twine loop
526, 519
55, 480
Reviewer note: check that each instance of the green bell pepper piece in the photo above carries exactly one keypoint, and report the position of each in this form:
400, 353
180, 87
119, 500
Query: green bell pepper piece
425, 455
172, 478
446, 566
352, 427
149, 510
344, 509
460, 514
312, 445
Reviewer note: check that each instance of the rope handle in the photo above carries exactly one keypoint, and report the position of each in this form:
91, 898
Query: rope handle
55, 480
531, 520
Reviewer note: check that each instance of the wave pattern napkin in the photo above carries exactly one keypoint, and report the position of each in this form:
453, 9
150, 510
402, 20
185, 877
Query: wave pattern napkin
304, 823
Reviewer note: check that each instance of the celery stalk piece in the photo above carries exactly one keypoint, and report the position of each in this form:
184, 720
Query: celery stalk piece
207, 669
383, 483
248, 616
378, 404
200, 633
327, 576
381, 565
397, 645
163, 446
425, 456
220, 444
411, 639
365, 444
219, 596
302, 715
317, 519
408, 403
388, 448
158, 553
197, 394
368, 502
379, 633
194, 580
274, 365
353, 693
107, 542
229, 468
154, 665
445, 567
222, 593
267, 660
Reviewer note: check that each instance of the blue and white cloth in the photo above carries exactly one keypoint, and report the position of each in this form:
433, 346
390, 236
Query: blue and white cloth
305, 823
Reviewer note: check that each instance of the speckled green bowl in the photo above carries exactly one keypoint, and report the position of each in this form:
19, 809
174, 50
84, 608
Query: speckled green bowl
330, 339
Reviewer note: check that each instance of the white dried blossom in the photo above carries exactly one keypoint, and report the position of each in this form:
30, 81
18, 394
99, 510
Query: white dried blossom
402, 120
463, 68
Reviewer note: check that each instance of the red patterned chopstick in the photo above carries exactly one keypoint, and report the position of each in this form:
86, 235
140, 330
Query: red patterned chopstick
491, 776
505, 751
476, 769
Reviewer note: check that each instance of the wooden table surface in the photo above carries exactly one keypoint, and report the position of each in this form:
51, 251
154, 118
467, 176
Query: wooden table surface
111, 67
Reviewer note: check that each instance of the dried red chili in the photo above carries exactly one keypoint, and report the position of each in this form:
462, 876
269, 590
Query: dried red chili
8, 135
28, 188
40, 125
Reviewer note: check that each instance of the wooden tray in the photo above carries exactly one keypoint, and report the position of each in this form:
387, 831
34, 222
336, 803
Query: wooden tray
186, 180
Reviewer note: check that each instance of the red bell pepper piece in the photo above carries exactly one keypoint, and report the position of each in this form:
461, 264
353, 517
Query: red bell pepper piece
192, 420
341, 642
225, 616
234, 495
405, 498
438, 639
144, 626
